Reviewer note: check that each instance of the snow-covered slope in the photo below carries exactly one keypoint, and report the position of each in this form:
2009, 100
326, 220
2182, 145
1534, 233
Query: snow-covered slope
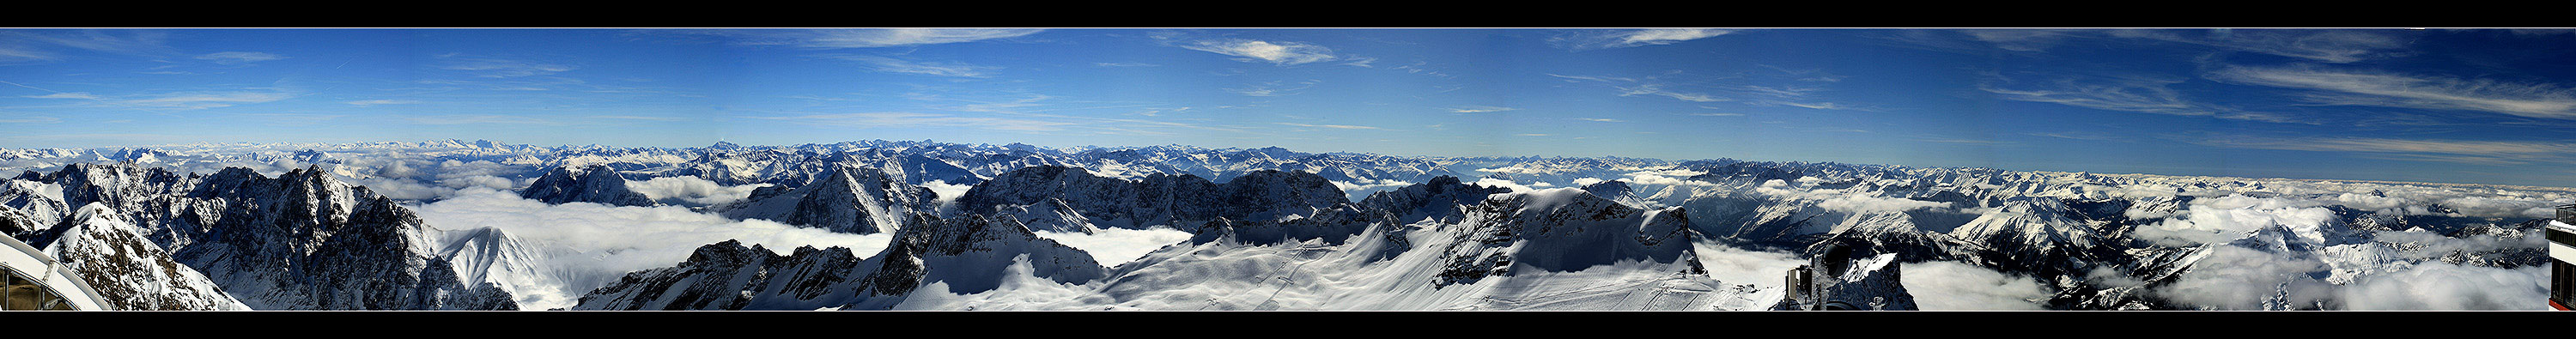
848, 199
131, 273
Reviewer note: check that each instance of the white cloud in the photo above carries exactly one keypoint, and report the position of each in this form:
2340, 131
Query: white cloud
896, 37
1632, 38
946, 69
1738, 266
1480, 109
2479, 152
29, 120
203, 100
2237, 278
501, 68
2221, 219
593, 244
1491, 182
2334, 46
2436, 286
235, 58
2534, 100
1273, 88
69, 95
1658, 90
692, 191
1600, 120
1950, 286
1283, 53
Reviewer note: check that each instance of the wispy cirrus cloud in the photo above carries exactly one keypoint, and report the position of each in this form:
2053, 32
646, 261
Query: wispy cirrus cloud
1594, 39
931, 68
2126, 94
65, 95
1600, 120
488, 67
2476, 152
860, 38
2365, 88
1281, 53
2332, 46
238, 58
1660, 90
32, 119
46, 45
1480, 109
1274, 88
179, 100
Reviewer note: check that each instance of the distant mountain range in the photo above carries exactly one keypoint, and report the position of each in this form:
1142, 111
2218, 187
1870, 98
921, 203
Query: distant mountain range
969, 226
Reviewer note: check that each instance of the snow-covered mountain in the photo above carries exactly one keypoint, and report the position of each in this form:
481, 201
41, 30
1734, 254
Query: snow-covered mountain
596, 184
846, 199
131, 273
967, 254
302, 240
1277, 229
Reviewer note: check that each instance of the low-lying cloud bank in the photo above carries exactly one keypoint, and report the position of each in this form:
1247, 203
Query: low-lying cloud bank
589, 245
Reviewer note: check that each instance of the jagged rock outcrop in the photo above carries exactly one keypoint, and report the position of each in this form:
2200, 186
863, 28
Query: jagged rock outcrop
594, 184
1440, 198
302, 240
1050, 216
2038, 234
1333, 225
129, 272
848, 200
968, 254
730, 276
1561, 230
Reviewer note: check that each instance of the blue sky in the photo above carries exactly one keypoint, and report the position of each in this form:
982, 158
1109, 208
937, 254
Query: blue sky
2473, 106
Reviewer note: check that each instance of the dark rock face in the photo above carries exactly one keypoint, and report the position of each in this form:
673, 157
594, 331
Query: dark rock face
969, 254
1609, 189
1054, 215
129, 272
1157, 199
1439, 198
849, 200
299, 241
729, 276
596, 184
1562, 230
1334, 225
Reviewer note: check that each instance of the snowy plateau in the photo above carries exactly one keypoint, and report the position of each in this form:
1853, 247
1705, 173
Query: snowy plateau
922, 225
